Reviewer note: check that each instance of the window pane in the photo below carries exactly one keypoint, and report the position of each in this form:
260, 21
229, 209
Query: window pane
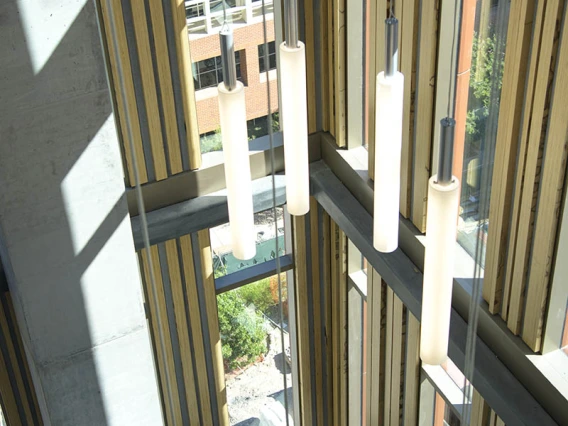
223, 260
206, 65
356, 334
455, 373
564, 344
254, 359
194, 11
271, 56
208, 79
248, 35
258, 127
451, 389
483, 93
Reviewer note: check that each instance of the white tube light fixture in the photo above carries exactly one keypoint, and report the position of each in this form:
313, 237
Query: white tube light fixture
388, 145
232, 112
441, 227
294, 115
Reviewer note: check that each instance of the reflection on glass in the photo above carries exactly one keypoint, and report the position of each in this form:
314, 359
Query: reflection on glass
209, 72
440, 404
564, 344
254, 359
204, 22
483, 93
455, 374
357, 349
443, 415
223, 260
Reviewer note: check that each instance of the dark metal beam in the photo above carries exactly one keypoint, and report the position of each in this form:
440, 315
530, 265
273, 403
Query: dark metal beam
202, 212
510, 349
196, 183
498, 386
252, 274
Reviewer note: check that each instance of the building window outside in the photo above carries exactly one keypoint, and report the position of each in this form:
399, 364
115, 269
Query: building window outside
209, 72
194, 10
271, 56
256, 128
217, 5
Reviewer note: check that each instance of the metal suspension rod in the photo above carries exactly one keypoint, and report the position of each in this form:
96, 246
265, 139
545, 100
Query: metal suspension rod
228, 62
446, 154
391, 51
291, 22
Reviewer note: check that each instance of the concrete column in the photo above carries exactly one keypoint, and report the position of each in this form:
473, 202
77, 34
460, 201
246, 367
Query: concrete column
65, 238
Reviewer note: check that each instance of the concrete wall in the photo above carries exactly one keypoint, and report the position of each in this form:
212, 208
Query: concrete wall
65, 237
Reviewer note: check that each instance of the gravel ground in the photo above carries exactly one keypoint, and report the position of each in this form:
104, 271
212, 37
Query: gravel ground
260, 385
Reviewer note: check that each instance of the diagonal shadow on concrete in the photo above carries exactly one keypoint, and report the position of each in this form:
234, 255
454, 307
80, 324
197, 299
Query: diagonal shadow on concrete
48, 122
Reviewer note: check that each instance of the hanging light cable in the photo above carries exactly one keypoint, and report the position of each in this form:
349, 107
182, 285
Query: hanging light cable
294, 114
388, 144
441, 220
232, 113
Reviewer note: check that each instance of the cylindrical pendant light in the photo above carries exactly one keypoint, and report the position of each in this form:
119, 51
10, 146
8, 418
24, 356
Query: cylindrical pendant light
232, 113
294, 115
388, 145
441, 225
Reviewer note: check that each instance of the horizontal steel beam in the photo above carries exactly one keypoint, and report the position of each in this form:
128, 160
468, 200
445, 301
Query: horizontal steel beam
203, 212
252, 274
510, 349
211, 176
493, 380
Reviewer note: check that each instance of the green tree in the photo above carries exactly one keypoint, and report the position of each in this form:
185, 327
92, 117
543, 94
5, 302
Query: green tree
482, 80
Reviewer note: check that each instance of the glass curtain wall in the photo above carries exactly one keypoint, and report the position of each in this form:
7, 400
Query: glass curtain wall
253, 316
479, 89
248, 21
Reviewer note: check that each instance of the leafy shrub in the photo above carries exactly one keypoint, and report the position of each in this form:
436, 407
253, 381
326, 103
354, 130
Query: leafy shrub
211, 141
274, 287
242, 330
258, 294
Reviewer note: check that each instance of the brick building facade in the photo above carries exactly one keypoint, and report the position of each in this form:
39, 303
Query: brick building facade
247, 38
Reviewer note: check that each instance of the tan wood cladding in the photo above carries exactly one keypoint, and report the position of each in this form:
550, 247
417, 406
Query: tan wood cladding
553, 171
530, 167
393, 361
301, 283
185, 291
320, 290
424, 111
165, 142
17, 394
317, 314
310, 64
334, 69
339, 72
516, 59
130, 101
